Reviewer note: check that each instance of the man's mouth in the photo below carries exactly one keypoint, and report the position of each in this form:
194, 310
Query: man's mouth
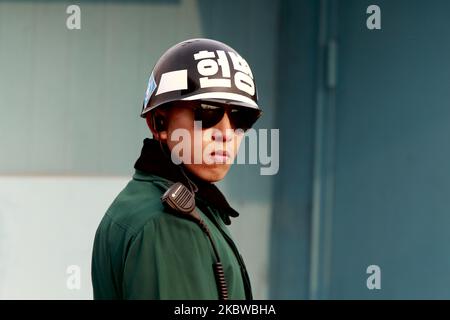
220, 156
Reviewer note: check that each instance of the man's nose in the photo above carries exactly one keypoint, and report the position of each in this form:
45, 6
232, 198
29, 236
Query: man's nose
223, 130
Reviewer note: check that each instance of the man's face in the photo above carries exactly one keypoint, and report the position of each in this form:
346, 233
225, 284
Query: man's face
218, 145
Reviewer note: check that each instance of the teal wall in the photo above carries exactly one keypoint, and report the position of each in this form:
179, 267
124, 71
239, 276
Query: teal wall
392, 176
297, 65
367, 178
73, 97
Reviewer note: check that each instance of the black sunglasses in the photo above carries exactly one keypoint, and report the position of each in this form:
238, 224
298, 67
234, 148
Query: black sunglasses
211, 113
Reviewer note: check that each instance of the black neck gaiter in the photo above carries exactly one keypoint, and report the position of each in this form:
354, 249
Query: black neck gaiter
155, 160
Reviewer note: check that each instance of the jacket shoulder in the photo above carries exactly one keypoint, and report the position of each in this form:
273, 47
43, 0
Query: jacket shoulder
137, 204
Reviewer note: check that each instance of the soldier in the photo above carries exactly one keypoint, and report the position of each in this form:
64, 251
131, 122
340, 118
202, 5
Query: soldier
165, 236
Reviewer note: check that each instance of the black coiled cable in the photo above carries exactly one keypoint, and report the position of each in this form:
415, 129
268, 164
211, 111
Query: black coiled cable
217, 266
220, 280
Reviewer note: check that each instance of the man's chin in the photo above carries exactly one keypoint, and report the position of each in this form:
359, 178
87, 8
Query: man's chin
210, 173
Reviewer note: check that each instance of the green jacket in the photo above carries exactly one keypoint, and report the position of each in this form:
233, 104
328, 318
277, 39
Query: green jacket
143, 252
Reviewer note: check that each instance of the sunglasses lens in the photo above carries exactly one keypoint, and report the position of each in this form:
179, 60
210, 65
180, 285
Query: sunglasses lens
209, 115
244, 118
240, 117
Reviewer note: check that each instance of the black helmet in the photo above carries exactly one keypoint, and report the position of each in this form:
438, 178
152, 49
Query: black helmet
201, 69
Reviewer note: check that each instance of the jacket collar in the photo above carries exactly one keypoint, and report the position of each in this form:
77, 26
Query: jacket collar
154, 165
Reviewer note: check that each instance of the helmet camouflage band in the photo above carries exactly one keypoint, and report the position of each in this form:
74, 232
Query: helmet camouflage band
201, 69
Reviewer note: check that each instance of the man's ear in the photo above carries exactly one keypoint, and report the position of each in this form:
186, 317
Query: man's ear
157, 123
